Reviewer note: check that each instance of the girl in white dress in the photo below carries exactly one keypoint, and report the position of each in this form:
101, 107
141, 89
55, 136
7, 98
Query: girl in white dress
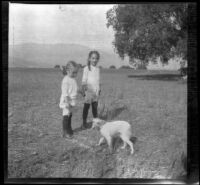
91, 86
69, 90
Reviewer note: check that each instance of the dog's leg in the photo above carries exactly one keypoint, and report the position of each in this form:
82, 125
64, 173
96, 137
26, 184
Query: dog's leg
124, 145
125, 139
101, 141
109, 141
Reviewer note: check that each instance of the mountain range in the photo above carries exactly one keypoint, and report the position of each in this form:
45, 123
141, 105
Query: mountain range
49, 55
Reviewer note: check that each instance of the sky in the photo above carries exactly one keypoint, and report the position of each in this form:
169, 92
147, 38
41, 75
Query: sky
83, 24
49, 24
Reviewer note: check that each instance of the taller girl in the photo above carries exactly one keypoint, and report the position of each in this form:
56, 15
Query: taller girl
91, 85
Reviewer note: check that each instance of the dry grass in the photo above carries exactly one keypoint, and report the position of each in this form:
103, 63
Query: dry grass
157, 110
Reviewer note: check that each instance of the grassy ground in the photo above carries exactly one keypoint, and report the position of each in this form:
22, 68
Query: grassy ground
155, 103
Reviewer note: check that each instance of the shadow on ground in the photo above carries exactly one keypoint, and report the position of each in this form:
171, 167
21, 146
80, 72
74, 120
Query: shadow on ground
117, 142
111, 114
79, 129
161, 77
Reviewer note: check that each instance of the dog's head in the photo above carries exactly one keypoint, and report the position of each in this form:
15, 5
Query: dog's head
97, 123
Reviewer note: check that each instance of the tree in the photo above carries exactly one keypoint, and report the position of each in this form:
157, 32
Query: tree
125, 67
149, 31
141, 65
64, 70
57, 66
112, 67
183, 68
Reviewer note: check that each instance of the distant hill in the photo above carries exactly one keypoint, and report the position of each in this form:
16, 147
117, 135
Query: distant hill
48, 55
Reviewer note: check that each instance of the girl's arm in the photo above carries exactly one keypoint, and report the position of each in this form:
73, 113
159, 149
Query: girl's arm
84, 78
84, 81
99, 81
81, 91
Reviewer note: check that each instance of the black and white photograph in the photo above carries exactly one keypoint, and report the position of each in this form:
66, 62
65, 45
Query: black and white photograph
98, 91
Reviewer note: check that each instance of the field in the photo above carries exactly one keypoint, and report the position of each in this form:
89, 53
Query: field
154, 102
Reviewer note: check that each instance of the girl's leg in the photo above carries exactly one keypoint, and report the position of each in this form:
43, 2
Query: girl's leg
67, 123
66, 126
85, 113
70, 131
109, 141
94, 109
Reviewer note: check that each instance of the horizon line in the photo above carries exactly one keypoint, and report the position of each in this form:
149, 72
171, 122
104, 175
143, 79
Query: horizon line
62, 43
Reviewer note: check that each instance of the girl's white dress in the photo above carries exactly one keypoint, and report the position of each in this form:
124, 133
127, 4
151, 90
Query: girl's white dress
69, 90
91, 78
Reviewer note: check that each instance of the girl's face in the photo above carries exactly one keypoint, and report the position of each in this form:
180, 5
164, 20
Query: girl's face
72, 72
94, 59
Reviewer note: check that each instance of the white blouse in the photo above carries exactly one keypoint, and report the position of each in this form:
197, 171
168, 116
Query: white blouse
91, 78
69, 90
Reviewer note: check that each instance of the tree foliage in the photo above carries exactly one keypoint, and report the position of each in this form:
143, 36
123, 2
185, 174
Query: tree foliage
148, 31
112, 67
125, 67
57, 66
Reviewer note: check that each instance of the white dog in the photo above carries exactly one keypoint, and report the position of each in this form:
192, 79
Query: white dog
114, 128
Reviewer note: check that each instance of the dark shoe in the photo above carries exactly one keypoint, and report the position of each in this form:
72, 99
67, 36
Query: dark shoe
83, 127
67, 130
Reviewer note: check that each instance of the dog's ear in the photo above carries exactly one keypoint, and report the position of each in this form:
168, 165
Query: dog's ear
94, 125
96, 122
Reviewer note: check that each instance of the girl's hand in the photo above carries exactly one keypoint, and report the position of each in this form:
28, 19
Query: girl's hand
84, 87
67, 106
81, 92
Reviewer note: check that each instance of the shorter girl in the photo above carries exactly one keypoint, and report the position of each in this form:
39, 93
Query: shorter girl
91, 86
69, 90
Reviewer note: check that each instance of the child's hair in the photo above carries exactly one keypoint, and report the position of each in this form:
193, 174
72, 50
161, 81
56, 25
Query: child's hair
90, 54
68, 66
